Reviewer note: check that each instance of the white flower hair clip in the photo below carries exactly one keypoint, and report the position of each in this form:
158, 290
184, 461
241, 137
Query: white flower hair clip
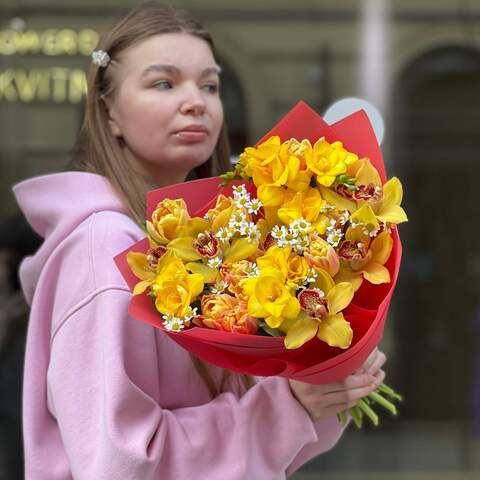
100, 58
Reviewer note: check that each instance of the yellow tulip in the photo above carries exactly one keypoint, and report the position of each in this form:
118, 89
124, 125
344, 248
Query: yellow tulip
168, 219
321, 255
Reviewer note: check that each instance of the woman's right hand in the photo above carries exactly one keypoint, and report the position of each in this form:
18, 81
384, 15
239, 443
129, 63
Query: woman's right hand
324, 401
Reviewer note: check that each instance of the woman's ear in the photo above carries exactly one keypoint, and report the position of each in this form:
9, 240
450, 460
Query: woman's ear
112, 117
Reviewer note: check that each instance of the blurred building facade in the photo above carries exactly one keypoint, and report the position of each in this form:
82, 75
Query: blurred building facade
419, 61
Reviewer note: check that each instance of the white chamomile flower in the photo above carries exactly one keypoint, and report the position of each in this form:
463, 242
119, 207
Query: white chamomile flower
242, 202
311, 275
334, 236
252, 270
173, 324
219, 287
254, 205
239, 191
344, 217
215, 262
251, 231
301, 225
224, 234
278, 232
302, 244
237, 220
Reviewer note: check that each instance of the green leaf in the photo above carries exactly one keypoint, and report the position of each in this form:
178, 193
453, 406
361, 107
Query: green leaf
273, 332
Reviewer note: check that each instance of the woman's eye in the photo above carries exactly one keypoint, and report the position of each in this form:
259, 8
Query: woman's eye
163, 85
211, 87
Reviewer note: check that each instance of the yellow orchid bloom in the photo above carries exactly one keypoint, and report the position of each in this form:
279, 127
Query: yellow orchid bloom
390, 210
141, 268
321, 315
361, 257
269, 298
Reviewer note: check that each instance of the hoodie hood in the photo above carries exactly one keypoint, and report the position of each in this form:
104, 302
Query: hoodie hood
54, 205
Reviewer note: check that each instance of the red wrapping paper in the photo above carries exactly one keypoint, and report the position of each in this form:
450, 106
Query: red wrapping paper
315, 362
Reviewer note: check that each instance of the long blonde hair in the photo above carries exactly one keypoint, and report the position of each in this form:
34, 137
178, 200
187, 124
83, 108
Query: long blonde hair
97, 150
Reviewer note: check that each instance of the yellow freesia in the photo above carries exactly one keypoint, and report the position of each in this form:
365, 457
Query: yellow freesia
321, 316
307, 204
274, 165
328, 161
269, 298
174, 288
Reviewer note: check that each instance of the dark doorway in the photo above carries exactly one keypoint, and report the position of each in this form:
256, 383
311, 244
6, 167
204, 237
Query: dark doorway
435, 150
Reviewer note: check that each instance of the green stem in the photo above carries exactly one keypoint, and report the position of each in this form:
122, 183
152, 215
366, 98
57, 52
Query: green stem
357, 415
342, 417
390, 392
383, 402
368, 411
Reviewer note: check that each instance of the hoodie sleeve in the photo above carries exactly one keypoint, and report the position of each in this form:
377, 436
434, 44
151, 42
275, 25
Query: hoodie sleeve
103, 379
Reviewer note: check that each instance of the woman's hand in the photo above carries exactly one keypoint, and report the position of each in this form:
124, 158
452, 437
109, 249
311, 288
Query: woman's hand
323, 401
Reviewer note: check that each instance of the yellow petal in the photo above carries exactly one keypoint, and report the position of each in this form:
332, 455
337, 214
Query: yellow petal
240, 249
365, 173
183, 249
140, 287
292, 308
270, 195
209, 274
337, 200
393, 191
335, 331
195, 284
365, 216
195, 226
273, 322
376, 273
392, 214
339, 297
381, 248
324, 281
300, 332
137, 261
346, 275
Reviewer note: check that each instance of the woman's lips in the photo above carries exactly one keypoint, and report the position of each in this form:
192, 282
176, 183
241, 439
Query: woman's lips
193, 133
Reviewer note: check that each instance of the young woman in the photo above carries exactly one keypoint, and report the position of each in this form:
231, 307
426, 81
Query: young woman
106, 396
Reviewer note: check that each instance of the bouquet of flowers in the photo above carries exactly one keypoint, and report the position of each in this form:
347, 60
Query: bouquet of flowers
285, 265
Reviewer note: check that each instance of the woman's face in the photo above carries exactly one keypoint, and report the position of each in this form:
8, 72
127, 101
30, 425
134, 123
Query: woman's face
167, 107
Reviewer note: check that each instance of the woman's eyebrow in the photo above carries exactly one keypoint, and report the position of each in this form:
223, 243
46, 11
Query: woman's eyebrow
172, 69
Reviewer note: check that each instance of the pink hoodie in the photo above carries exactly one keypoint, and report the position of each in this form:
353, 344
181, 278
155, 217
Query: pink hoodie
108, 397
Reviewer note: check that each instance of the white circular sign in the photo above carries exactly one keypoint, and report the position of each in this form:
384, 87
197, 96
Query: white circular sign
346, 106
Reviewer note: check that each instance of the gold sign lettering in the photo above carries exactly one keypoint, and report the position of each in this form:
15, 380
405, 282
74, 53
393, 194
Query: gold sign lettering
50, 84
49, 42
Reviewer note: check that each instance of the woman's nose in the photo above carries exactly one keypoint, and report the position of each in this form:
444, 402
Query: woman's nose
193, 102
